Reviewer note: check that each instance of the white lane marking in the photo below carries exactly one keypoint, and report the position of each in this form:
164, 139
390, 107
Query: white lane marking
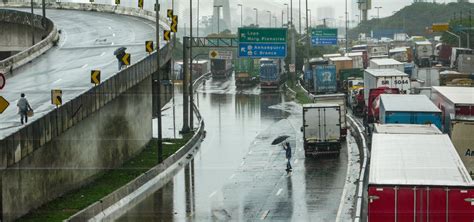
212, 194
113, 34
57, 81
110, 28
279, 192
232, 176
103, 53
250, 153
112, 43
264, 215
84, 66
296, 161
243, 162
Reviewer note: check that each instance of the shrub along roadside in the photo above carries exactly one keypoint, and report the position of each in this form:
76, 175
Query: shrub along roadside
106, 183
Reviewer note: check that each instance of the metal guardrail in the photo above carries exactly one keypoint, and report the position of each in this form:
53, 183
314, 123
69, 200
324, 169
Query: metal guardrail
363, 171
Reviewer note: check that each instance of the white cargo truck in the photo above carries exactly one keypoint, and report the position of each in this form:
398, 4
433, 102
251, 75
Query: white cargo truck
387, 64
339, 99
428, 77
321, 129
390, 78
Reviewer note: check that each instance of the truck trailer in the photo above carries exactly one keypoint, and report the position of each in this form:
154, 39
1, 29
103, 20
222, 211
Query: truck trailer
386, 64
457, 107
324, 77
389, 78
408, 109
221, 68
339, 99
321, 129
429, 129
246, 72
418, 177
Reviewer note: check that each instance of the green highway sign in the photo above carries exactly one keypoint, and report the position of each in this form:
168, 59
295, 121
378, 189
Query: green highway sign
324, 33
262, 35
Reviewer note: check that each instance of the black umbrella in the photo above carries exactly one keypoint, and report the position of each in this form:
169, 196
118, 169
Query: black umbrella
119, 50
279, 140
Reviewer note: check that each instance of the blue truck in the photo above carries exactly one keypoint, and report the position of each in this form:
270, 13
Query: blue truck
324, 77
270, 73
408, 109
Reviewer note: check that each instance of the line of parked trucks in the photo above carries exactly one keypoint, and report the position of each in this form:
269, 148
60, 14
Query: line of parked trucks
420, 121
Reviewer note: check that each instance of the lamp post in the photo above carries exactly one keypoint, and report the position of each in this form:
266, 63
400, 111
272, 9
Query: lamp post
256, 16
197, 19
157, 82
218, 7
270, 18
299, 9
310, 23
275, 21
282, 21
287, 14
378, 11
241, 14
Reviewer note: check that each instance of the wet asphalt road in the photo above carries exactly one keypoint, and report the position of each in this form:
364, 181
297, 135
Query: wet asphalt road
237, 175
87, 42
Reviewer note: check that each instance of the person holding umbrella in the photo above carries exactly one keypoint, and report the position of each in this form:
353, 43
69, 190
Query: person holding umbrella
287, 148
119, 54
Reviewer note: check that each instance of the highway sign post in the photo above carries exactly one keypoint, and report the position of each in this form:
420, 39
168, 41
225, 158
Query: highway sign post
56, 97
262, 42
149, 46
95, 77
2, 81
3, 104
215, 54
126, 59
323, 37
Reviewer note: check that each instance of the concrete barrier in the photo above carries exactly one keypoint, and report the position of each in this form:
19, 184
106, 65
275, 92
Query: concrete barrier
13, 62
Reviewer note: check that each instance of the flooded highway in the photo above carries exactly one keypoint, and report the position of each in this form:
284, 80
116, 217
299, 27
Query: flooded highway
237, 174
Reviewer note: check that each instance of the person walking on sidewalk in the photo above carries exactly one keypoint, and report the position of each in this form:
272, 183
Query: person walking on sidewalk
23, 108
287, 148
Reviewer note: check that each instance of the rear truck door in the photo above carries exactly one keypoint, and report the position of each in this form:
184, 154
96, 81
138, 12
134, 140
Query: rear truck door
381, 204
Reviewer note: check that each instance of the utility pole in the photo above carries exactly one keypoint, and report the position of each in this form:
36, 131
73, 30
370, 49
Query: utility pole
157, 82
282, 14
191, 90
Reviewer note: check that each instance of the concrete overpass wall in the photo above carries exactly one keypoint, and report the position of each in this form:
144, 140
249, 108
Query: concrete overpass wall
16, 38
68, 147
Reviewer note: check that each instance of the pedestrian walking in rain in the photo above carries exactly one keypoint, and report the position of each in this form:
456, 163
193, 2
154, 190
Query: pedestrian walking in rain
287, 148
23, 108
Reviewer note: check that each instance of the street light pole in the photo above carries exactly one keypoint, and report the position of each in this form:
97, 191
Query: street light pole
191, 91
310, 24
256, 16
347, 30
287, 14
378, 11
32, 24
306, 64
282, 14
157, 82
300, 15
218, 17
197, 19
275, 21
241, 14
270, 18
